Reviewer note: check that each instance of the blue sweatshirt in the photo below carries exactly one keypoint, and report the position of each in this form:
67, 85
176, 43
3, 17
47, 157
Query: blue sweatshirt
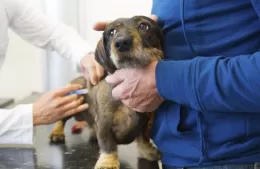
210, 79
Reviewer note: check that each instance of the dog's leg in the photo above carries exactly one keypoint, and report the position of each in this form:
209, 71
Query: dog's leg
108, 158
79, 125
85, 118
92, 133
57, 134
147, 150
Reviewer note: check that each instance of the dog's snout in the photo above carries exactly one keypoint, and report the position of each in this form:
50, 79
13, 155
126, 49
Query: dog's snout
123, 43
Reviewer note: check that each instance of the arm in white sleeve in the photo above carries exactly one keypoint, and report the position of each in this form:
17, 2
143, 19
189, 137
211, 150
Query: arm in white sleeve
45, 33
16, 125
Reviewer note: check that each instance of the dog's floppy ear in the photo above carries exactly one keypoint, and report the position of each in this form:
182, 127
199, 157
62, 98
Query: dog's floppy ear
102, 57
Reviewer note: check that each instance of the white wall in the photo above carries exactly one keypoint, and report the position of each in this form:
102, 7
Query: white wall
60, 70
22, 70
101, 10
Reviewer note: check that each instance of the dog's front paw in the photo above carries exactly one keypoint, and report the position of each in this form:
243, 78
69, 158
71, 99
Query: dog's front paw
57, 134
106, 167
108, 161
150, 153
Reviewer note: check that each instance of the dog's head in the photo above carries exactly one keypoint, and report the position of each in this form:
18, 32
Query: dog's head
129, 43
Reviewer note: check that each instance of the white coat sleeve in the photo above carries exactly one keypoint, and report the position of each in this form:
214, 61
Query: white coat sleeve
44, 32
16, 125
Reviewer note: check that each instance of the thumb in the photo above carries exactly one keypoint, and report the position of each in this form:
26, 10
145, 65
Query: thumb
154, 17
100, 26
115, 78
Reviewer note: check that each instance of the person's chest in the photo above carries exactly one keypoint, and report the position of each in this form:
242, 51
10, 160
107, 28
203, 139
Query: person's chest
3, 33
207, 28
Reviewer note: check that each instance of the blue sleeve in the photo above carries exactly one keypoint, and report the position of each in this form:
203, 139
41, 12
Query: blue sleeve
217, 84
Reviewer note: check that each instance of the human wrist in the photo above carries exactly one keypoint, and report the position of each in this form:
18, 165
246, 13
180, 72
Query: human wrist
158, 79
155, 64
174, 80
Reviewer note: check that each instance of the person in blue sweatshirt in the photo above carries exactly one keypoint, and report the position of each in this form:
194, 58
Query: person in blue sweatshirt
206, 92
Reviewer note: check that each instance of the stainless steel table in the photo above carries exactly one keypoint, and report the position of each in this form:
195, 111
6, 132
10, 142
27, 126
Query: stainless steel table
4, 102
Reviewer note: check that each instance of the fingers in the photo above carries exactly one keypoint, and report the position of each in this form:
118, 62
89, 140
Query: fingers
91, 69
100, 71
96, 73
93, 74
65, 100
101, 26
154, 17
118, 92
71, 105
76, 110
67, 89
116, 78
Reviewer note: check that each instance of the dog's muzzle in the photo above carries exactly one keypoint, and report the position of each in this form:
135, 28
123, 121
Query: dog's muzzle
123, 43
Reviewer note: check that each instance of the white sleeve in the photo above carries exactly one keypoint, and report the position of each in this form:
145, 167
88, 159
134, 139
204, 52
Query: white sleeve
16, 125
44, 32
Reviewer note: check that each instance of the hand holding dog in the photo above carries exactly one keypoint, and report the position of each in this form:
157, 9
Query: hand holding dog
91, 69
54, 105
136, 88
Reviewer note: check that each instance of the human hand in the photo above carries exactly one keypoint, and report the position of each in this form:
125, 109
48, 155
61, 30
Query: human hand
136, 88
54, 105
91, 69
101, 25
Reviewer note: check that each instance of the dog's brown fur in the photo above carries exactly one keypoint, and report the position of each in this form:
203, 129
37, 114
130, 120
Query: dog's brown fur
109, 121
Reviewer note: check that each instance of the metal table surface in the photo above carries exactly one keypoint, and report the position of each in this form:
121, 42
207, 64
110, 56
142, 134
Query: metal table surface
75, 153
4, 102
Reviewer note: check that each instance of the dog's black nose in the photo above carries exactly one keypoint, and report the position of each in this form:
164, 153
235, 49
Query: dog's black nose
123, 43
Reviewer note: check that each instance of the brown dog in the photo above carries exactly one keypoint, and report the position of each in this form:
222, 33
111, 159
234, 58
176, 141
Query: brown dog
126, 43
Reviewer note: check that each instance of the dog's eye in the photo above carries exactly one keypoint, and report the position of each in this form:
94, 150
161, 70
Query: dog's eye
144, 26
112, 32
